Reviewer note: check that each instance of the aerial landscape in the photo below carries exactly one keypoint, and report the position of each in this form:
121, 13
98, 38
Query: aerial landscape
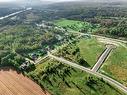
63, 47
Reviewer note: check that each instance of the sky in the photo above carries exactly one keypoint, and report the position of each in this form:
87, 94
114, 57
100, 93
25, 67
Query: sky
36, 0
55, 0
28, 0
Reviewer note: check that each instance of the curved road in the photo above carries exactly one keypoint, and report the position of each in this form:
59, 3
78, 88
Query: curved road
113, 39
105, 78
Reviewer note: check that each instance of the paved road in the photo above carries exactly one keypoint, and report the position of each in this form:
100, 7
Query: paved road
105, 78
1, 18
117, 40
31, 61
38, 61
41, 59
102, 58
97, 36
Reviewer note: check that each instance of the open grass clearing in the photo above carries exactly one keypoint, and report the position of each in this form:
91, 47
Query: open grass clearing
116, 65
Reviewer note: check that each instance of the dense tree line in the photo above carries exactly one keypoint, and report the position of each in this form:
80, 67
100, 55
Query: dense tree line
82, 10
11, 59
115, 29
110, 16
50, 73
24, 39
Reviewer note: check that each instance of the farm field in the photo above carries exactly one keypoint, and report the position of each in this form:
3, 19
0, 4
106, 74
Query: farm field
13, 83
61, 79
116, 65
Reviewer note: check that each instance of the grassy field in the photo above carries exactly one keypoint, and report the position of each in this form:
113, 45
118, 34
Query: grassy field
73, 25
64, 80
89, 50
116, 65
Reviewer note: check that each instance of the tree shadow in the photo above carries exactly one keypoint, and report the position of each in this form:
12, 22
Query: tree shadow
9, 68
91, 83
79, 88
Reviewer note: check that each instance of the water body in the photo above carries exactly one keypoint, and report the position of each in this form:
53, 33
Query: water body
1, 18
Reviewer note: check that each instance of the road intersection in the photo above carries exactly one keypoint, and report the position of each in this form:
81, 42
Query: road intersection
99, 75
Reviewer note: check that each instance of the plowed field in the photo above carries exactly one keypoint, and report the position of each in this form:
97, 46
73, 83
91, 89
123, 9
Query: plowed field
13, 83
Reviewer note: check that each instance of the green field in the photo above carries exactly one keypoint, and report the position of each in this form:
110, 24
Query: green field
85, 48
60, 79
116, 65
90, 50
73, 25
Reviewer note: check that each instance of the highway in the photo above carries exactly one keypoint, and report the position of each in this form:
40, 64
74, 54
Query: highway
7, 16
99, 75
102, 58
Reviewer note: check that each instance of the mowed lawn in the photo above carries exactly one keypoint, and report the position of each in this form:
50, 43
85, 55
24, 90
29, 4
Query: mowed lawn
116, 65
91, 50
76, 82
